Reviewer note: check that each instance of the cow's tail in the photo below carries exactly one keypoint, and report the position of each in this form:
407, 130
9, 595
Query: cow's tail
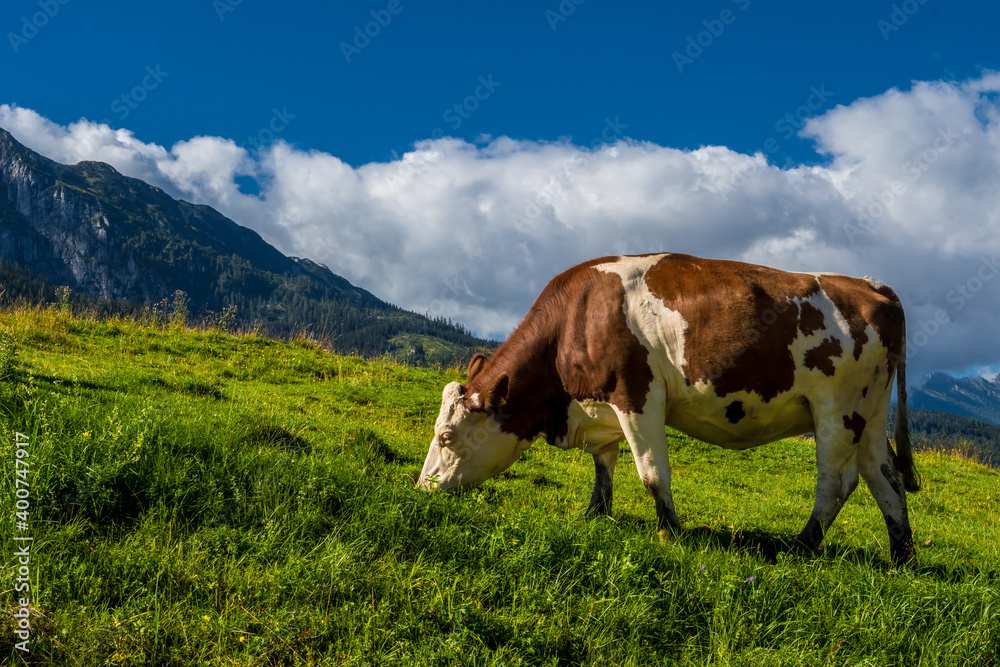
904, 449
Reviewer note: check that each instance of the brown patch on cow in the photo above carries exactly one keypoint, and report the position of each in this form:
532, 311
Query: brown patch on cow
574, 343
821, 357
496, 394
476, 364
857, 424
864, 392
810, 319
861, 305
598, 355
741, 321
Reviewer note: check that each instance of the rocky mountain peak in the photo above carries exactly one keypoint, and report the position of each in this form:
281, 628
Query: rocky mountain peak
971, 396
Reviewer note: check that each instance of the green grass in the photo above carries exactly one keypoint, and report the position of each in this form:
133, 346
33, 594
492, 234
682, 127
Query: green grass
205, 499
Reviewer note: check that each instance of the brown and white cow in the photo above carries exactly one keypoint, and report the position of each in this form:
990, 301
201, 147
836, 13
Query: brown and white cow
730, 353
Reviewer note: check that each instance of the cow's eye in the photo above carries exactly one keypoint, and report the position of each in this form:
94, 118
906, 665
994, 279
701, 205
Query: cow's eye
446, 438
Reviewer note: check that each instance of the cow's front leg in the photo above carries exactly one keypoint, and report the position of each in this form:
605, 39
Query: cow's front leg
836, 477
604, 476
648, 439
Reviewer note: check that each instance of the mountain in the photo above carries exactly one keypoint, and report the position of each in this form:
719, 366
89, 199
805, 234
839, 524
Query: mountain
113, 237
968, 396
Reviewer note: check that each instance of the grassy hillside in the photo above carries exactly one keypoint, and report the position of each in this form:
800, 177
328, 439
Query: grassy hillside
198, 498
343, 323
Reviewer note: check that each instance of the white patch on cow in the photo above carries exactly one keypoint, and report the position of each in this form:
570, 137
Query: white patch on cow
659, 329
453, 408
875, 284
591, 425
477, 448
832, 315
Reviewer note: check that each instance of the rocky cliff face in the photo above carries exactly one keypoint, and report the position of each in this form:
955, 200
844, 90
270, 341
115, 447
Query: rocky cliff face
57, 229
99, 232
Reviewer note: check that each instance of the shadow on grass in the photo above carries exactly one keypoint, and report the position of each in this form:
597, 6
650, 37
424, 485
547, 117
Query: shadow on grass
957, 573
186, 387
367, 446
768, 546
542, 480
631, 521
273, 435
68, 382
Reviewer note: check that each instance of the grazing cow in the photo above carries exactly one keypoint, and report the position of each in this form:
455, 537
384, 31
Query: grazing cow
730, 353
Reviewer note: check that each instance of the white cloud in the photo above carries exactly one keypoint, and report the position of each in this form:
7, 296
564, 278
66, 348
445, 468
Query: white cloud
991, 373
474, 231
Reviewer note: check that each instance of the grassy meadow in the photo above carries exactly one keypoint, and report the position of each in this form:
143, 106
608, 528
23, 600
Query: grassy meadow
204, 498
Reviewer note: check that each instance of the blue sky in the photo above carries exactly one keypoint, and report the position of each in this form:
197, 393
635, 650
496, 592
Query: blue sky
460, 154
227, 66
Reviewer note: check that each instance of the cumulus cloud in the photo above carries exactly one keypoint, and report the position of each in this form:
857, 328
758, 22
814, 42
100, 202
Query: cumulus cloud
908, 194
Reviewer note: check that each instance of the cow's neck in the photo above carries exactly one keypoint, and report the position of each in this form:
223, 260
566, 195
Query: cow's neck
536, 403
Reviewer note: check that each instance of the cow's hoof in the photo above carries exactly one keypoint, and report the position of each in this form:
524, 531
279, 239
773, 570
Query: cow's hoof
904, 556
598, 510
666, 535
810, 539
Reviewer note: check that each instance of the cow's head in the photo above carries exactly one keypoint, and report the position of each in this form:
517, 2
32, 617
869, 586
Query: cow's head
469, 446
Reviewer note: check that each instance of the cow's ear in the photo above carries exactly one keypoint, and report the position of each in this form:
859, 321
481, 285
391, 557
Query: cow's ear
476, 364
496, 394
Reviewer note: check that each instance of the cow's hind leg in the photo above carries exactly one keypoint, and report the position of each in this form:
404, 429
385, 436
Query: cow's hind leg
604, 475
837, 441
648, 439
877, 463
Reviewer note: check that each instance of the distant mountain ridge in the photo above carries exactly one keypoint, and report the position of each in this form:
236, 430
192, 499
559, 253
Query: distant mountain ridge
114, 237
974, 397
